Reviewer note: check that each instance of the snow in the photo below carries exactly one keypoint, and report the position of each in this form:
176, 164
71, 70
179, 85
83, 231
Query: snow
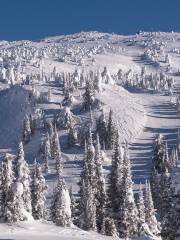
139, 114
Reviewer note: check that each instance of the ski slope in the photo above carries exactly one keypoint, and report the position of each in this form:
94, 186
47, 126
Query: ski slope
139, 114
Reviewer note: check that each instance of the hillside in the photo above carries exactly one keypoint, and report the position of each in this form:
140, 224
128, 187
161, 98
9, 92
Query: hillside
137, 77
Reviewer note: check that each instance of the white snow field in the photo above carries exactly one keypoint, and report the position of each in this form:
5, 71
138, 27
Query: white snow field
139, 113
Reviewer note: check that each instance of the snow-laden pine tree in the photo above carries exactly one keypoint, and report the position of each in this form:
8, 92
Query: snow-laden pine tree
160, 156
88, 96
73, 205
111, 131
115, 184
86, 208
150, 216
38, 188
128, 215
61, 205
109, 227
22, 176
7, 178
141, 212
166, 193
100, 191
56, 151
72, 137
169, 224
66, 118
46, 152
26, 129
101, 126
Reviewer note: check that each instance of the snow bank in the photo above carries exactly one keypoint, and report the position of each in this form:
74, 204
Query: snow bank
14, 104
128, 110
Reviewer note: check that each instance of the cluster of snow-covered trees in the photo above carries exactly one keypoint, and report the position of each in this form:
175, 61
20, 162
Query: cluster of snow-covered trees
107, 204
22, 192
159, 82
163, 192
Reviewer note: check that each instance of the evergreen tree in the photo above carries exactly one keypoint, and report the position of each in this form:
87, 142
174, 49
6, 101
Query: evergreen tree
109, 227
22, 176
38, 188
88, 96
56, 151
46, 152
115, 188
128, 219
61, 205
7, 178
72, 137
66, 118
150, 211
141, 212
102, 129
111, 131
86, 215
100, 193
73, 205
160, 157
26, 129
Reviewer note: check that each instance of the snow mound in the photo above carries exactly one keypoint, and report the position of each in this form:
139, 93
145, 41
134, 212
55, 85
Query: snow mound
129, 113
14, 105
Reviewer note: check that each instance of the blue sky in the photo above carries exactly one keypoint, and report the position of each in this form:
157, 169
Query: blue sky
34, 19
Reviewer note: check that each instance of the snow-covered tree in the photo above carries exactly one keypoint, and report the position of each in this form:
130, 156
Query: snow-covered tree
26, 129
150, 216
100, 192
22, 176
109, 227
115, 188
88, 97
61, 205
141, 212
128, 216
7, 178
101, 126
38, 188
111, 131
72, 137
56, 151
46, 152
66, 118
86, 212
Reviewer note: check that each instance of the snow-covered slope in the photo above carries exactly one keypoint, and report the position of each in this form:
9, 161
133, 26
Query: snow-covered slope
139, 114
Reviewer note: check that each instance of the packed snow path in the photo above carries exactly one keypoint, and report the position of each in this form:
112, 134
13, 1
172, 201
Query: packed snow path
162, 118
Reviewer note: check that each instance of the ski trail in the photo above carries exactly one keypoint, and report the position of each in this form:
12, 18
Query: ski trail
161, 118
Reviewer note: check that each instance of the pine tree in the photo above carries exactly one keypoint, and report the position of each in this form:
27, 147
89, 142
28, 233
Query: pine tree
72, 137
169, 224
128, 219
88, 96
102, 129
150, 211
73, 205
38, 188
160, 157
56, 151
115, 188
22, 176
46, 152
66, 118
86, 215
111, 131
100, 192
61, 205
141, 212
109, 227
7, 178
26, 129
